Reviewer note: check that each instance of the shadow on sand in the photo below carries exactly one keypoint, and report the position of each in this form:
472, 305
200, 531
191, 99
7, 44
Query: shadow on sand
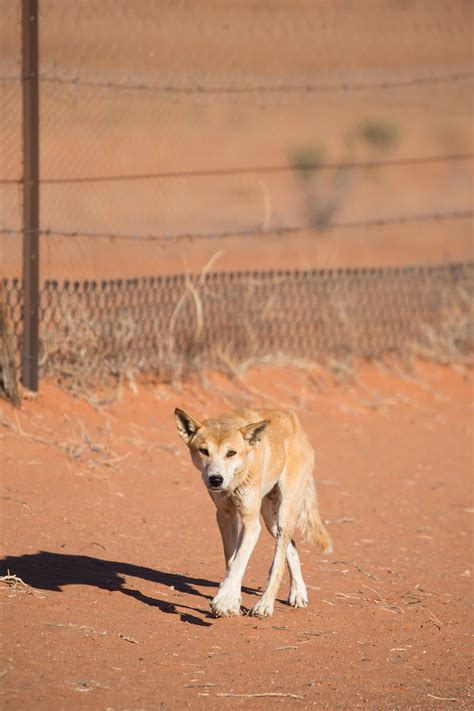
53, 571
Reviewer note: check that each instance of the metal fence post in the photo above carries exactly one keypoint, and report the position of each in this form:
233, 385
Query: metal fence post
29, 29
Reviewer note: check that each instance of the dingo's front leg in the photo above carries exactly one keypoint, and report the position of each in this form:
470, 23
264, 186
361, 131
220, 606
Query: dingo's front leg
228, 522
226, 603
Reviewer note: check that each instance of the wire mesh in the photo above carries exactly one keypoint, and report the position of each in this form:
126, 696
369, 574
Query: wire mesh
174, 325
10, 136
263, 136
135, 89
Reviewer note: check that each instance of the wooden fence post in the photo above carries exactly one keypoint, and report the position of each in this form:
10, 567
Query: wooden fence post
29, 30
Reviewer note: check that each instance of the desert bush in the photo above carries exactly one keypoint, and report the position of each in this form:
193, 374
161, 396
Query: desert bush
378, 134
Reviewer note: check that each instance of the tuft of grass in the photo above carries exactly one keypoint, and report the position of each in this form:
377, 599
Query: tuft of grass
84, 347
451, 342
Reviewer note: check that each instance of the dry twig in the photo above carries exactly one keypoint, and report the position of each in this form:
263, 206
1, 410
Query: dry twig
12, 581
267, 693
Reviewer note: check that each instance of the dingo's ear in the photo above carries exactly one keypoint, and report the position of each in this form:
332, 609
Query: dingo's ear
253, 433
187, 425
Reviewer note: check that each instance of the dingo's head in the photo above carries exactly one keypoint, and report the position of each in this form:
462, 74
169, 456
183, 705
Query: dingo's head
218, 449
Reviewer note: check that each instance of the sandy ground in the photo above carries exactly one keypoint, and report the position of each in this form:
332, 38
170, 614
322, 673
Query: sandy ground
104, 518
110, 527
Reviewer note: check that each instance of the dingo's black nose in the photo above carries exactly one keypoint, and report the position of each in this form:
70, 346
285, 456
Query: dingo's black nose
216, 480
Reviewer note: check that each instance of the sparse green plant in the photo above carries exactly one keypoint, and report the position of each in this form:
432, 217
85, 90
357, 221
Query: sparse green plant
378, 134
321, 202
306, 160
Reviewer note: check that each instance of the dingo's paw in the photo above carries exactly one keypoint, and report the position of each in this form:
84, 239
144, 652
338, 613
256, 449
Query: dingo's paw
263, 608
298, 597
226, 603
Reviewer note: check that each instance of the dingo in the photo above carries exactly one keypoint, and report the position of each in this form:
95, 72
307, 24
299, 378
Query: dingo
252, 462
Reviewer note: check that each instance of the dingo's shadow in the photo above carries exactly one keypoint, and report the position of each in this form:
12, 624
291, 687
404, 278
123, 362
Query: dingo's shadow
52, 571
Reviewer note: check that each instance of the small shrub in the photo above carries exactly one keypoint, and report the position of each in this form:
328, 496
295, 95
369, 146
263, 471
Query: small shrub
306, 160
379, 135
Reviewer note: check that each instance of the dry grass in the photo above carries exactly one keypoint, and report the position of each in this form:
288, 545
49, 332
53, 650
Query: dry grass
12, 581
8, 376
86, 350
78, 446
451, 342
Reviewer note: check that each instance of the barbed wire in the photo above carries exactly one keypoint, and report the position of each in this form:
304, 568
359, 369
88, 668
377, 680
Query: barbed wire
256, 169
262, 88
256, 231
258, 88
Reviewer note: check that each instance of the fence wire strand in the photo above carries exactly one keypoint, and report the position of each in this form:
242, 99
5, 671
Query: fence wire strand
257, 169
254, 232
266, 88
168, 129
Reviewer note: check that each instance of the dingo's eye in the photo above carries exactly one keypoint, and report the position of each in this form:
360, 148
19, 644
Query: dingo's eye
204, 451
230, 453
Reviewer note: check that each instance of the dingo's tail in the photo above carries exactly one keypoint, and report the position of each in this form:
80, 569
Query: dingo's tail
309, 520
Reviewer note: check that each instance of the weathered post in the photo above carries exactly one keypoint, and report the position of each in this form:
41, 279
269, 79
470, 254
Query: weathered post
29, 29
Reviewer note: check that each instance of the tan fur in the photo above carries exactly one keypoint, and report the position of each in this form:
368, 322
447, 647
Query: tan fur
309, 521
257, 462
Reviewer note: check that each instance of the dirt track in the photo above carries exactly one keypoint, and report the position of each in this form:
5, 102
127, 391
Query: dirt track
112, 529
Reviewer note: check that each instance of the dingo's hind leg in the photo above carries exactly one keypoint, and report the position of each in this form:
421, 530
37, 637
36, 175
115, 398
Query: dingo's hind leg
298, 596
286, 523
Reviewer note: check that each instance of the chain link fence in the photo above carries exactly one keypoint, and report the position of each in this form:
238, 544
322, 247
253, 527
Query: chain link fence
256, 136
164, 119
177, 325
11, 169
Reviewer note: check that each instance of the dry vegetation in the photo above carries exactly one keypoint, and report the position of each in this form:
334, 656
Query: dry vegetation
8, 375
86, 350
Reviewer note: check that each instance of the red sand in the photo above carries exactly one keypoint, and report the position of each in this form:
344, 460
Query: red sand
108, 522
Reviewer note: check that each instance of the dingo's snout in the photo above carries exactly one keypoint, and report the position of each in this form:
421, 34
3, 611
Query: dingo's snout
216, 481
